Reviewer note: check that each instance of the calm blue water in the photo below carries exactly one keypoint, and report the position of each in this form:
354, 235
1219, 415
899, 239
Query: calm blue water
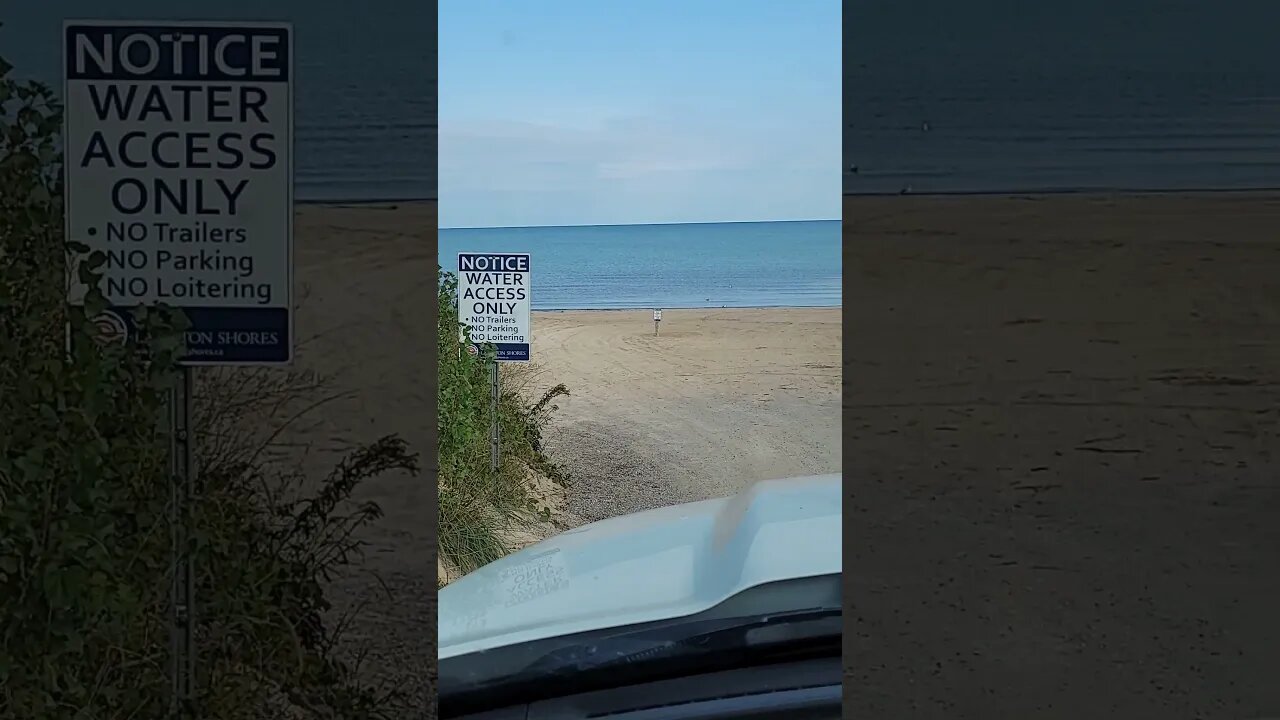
1078, 94
773, 264
365, 82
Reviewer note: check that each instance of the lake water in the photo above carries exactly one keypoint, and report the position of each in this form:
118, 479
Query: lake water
995, 95
772, 264
364, 93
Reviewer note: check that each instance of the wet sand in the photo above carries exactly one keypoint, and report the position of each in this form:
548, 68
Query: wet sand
1062, 425
717, 400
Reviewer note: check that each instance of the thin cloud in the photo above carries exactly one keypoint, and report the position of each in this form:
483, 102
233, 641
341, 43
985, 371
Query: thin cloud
520, 172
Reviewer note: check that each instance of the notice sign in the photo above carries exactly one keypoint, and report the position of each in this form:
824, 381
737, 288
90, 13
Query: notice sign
179, 168
494, 300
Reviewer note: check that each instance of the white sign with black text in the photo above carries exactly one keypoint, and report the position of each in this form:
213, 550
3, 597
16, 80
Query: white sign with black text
179, 168
495, 300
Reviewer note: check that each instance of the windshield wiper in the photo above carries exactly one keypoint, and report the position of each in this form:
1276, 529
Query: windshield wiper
651, 652
701, 639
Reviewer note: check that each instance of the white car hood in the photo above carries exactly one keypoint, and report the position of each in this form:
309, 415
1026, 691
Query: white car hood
653, 565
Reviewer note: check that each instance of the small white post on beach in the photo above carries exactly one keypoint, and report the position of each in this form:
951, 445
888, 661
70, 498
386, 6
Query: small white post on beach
657, 318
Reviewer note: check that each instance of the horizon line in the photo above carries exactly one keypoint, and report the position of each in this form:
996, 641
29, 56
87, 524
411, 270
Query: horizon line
1082, 190
695, 222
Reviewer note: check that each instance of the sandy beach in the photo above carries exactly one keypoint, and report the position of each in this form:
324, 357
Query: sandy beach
1062, 418
717, 400
364, 285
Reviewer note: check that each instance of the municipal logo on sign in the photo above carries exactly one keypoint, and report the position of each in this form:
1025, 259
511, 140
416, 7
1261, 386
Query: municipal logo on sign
109, 328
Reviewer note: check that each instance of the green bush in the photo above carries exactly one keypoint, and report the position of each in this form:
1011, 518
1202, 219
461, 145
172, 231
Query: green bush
476, 504
85, 487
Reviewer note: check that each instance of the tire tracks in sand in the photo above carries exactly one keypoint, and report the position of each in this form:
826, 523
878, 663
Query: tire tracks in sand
719, 399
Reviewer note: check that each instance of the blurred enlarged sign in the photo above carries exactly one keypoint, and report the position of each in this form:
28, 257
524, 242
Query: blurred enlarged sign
494, 300
179, 168
537, 577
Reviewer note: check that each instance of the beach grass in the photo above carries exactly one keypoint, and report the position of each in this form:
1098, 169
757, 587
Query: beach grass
481, 511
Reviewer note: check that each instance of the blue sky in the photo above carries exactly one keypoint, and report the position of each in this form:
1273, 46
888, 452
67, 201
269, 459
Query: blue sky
581, 112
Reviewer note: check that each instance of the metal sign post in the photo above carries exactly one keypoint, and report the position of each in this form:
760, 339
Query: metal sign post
495, 432
182, 651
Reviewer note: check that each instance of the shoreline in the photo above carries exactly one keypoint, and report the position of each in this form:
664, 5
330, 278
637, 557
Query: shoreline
661, 224
1003, 192
665, 308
